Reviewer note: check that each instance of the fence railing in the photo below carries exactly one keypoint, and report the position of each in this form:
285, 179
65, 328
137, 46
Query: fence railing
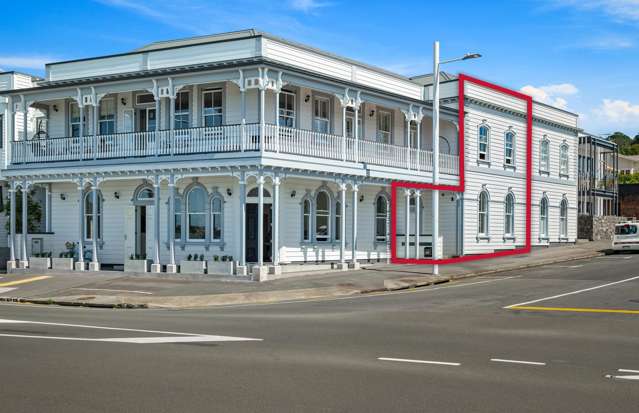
228, 138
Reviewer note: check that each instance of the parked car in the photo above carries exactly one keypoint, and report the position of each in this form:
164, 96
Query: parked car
626, 237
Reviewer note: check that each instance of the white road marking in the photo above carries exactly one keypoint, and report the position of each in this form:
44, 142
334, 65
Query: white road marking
140, 340
108, 289
571, 266
175, 336
571, 293
532, 363
440, 363
6, 289
633, 377
628, 371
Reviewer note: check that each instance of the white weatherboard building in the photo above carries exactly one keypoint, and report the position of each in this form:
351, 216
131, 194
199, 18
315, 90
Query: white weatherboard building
277, 154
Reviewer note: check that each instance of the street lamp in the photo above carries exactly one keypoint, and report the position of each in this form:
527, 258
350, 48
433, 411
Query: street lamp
436, 65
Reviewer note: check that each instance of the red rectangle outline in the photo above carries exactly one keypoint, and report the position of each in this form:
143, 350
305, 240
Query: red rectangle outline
461, 186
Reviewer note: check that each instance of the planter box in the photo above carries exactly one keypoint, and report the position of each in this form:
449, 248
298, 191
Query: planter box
137, 265
39, 263
63, 264
192, 267
220, 267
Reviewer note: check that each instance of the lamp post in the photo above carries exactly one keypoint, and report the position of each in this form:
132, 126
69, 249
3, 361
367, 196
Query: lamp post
436, 65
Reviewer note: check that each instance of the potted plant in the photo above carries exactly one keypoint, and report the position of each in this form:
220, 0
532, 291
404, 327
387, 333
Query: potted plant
40, 261
221, 265
137, 263
194, 264
65, 260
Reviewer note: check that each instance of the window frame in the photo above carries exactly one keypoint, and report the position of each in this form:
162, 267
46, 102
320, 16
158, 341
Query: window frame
544, 156
486, 152
543, 218
483, 217
216, 215
563, 219
564, 160
350, 119
316, 118
109, 119
215, 112
80, 120
307, 219
328, 215
383, 217
285, 113
88, 213
384, 136
180, 113
509, 217
509, 161
188, 213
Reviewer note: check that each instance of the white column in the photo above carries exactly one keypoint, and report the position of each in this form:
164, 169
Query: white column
435, 243
407, 224
419, 140
25, 120
418, 227
344, 134
243, 114
342, 224
262, 119
356, 132
157, 266
81, 130
47, 208
79, 266
354, 228
94, 265
276, 221
12, 224
260, 221
171, 267
277, 120
25, 226
96, 108
242, 221
171, 121
408, 140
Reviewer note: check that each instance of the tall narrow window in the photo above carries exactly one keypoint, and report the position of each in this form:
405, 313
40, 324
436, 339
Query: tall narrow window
306, 218
216, 218
350, 123
543, 218
381, 219
484, 136
1, 131
92, 224
544, 158
482, 217
563, 219
178, 217
196, 214
182, 106
107, 117
563, 160
322, 216
321, 114
74, 119
509, 148
338, 221
212, 110
509, 215
287, 109
384, 126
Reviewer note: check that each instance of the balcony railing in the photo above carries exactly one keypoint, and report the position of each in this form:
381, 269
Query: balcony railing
225, 139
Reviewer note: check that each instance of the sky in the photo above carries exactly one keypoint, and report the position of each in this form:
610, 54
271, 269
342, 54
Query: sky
579, 55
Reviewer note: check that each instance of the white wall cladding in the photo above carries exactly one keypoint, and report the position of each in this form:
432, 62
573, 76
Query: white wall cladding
333, 67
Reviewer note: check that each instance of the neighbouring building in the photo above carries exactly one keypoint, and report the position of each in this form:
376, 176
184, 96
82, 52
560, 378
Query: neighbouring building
278, 154
599, 161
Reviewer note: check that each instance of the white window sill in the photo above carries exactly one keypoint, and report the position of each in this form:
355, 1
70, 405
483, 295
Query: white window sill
483, 162
564, 176
508, 166
483, 237
542, 172
509, 238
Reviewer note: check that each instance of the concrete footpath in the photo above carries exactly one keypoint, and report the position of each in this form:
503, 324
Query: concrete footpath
117, 290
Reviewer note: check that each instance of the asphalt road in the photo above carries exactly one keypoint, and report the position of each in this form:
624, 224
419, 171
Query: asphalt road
565, 354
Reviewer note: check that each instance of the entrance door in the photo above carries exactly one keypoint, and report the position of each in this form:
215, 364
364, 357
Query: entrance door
140, 230
251, 233
147, 119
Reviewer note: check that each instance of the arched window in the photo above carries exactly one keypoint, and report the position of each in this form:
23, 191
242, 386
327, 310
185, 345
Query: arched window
563, 219
509, 148
484, 137
338, 220
381, 219
543, 218
89, 219
563, 160
216, 217
482, 217
306, 220
322, 216
509, 215
544, 157
144, 194
178, 217
196, 213
444, 146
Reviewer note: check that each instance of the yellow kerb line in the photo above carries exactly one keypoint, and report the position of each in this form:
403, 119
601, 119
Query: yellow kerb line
575, 310
24, 281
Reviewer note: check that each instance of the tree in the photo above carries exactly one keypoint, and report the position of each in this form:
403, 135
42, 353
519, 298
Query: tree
34, 213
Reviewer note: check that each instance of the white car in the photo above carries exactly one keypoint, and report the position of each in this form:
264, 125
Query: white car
626, 237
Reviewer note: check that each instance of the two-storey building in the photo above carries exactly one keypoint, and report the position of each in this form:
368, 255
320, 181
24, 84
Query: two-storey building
247, 145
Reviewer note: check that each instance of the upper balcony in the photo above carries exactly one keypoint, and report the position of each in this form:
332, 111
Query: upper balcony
248, 140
